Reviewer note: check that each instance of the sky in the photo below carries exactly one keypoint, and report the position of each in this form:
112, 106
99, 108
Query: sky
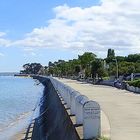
49, 30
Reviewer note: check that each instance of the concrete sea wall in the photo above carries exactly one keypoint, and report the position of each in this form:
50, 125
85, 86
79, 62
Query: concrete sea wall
54, 122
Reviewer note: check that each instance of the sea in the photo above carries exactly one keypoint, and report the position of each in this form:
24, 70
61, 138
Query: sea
18, 98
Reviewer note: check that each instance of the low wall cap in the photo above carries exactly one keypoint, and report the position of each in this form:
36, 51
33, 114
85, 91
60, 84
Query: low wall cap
74, 93
84, 100
92, 102
81, 99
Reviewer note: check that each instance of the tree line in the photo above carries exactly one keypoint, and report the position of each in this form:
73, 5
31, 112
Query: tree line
88, 65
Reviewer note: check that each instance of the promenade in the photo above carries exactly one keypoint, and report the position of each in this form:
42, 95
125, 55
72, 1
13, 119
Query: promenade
121, 107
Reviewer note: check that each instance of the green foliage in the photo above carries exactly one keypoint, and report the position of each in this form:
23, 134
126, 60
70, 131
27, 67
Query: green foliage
133, 58
97, 68
120, 58
137, 67
110, 55
32, 68
126, 67
77, 69
86, 59
105, 78
64, 68
88, 64
135, 83
112, 68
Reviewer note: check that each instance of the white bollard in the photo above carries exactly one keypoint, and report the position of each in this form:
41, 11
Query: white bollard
69, 90
92, 120
86, 112
64, 94
79, 108
73, 94
67, 93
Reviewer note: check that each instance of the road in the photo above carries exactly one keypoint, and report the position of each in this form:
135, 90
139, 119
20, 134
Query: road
121, 107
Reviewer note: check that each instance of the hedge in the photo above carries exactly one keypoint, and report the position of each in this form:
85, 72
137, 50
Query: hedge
135, 83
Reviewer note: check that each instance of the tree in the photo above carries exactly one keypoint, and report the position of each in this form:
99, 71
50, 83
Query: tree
85, 62
137, 67
27, 69
77, 69
86, 65
120, 58
50, 64
96, 67
32, 68
86, 59
46, 70
74, 67
126, 68
133, 58
110, 55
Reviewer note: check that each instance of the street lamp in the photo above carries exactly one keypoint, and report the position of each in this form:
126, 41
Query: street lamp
117, 69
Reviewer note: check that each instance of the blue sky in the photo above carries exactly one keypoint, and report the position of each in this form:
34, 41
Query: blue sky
19, 17
44, 30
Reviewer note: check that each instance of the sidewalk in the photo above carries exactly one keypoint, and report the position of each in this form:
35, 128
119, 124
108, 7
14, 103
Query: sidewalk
120, 107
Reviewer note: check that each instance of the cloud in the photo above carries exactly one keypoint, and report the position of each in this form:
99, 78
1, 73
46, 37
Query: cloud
3, 41
1, 54
29, 54
2, 34
33, 54
28, 49
112, 24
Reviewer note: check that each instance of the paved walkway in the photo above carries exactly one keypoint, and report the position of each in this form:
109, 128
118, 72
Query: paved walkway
121, 107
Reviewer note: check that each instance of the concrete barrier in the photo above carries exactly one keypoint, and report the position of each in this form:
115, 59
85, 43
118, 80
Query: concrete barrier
91, 120
87, 112
67, 91
73, 96
80, 101
107, 82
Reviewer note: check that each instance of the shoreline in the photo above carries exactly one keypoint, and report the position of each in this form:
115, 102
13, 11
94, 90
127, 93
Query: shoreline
19, 97
17, 131
20, 135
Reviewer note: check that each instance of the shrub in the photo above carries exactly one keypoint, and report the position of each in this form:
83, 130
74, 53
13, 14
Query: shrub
135, 83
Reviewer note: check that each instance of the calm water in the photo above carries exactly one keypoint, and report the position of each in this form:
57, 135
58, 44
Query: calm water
18, 97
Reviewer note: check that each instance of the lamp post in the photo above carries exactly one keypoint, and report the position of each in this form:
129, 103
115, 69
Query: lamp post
117, 69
